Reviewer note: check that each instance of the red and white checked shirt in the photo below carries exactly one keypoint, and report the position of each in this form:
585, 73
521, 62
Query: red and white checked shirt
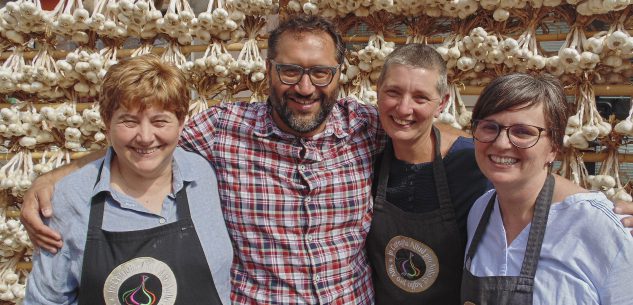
298, 209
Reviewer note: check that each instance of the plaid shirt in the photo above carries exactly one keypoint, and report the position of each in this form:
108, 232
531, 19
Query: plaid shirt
298, 209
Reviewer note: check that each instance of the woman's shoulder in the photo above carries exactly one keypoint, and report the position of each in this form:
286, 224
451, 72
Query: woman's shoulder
81, 181
187, 161
590, 212
480, 205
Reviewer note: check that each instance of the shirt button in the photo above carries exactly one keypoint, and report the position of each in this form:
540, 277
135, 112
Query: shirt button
310, 238
302, 167
308, 199
316, 277
162, 220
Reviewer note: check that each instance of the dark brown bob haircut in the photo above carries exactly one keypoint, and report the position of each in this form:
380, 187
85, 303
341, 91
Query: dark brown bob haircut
306, 24
517, 91
143, 82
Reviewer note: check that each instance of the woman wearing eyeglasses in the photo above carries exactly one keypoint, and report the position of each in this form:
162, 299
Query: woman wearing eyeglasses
537, 238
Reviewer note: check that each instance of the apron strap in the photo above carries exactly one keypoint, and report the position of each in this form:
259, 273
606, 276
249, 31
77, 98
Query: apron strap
383, 176
97, 203
479, 232
441, 181
537, 231
536, 234
439, 175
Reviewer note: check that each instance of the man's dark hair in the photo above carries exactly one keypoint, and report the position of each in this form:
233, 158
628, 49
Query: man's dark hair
302, 24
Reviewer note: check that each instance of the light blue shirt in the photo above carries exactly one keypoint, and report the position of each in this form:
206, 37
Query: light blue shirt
55, 278
587, 254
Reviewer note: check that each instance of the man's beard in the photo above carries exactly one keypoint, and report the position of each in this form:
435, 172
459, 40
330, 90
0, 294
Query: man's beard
297, 123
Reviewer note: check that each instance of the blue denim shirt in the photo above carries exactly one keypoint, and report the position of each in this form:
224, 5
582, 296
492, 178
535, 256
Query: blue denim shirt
55, 278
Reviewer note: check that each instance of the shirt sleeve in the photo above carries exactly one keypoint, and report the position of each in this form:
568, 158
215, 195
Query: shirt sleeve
53, 279
617, 287
199, 133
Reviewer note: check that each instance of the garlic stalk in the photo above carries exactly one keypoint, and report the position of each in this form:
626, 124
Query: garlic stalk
249, 62
579, 54
45, 75
372, 56
363, 92
527, 55
173, 55
573, 167
608, 179
17, 174
12, 72
587, 124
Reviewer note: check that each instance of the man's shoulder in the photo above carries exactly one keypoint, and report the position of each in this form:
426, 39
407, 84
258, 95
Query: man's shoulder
354, 114
352, 106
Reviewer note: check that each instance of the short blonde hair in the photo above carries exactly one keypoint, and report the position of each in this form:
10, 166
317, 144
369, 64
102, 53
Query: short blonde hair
142, 82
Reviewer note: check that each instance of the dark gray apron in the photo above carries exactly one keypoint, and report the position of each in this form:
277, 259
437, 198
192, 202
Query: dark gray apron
515, 290
161, 265
417, 258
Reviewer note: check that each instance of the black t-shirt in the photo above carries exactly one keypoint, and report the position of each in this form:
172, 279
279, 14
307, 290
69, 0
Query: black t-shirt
411, 187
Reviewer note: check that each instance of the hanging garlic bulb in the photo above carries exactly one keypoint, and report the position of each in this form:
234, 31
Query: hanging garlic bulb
83, 70
372, 56
177, 22
140, 17
15, 247
71, 19
249, 62
587, 124
23, 18
218, 23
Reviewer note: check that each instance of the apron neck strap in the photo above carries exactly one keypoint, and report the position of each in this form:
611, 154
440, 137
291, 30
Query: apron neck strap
536, 234
537, 230
439, 175
441, 181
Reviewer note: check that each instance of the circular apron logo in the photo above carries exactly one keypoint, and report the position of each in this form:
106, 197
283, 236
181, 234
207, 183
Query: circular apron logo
411, 265
143, 280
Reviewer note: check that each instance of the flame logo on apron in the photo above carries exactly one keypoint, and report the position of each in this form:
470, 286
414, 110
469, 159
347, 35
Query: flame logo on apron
130, 296
409, 270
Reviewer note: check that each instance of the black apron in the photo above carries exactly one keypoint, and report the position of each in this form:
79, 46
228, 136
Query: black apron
417, 257
515, 290
161, 266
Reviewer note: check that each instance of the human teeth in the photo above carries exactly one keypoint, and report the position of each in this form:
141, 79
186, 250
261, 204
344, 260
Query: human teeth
503, 160
304, 102
146, 150
402, 122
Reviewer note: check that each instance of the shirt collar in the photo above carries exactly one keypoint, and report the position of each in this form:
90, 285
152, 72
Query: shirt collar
265, 126
178, 181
